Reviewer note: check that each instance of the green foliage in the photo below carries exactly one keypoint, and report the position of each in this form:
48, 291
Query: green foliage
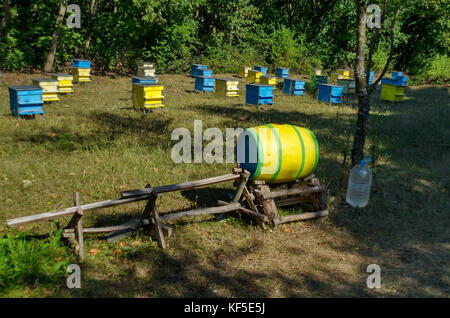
25, 261
302, 34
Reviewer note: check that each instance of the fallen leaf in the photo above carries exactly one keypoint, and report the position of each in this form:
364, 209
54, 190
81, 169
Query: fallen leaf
136, 243
94, 251
72, 174
118, 252
122, 244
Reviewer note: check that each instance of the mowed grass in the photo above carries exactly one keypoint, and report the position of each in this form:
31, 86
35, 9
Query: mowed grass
93, 142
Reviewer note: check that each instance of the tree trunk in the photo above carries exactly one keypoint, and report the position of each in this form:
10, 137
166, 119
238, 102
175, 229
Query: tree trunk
49, 61
361, 86
6, 19
92, 11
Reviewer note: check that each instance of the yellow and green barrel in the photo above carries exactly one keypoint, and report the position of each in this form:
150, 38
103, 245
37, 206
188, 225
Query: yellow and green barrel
278, 153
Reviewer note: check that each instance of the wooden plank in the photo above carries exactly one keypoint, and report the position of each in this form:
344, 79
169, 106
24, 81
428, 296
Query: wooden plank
69, 211
293, 191
258, 216
79, 226
180, 186
303, 216
212, 210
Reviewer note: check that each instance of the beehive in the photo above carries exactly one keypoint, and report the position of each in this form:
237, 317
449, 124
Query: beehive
317, 72
282, 72
81, 70
294, 87
329, 93
147, 96
204, 83
144, 80
195, 69
145, 69
393, 93
259, 94
49, 87
65, 82
253, 76
25, 100
344, 73
227, 87
262, 69
349, 85
243, 71
81, 75
370, 77
268, 80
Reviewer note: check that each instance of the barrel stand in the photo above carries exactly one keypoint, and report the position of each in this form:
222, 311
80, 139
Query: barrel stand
252, 198
266, 201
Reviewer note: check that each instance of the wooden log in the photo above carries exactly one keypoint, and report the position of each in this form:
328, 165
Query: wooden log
289, 192
303, 216
290, 201
69, 211
255, 214
270, 209
213, 210
180, 186
244, 178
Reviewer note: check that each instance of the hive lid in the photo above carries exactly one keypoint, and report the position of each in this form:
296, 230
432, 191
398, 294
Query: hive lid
259, 85
145, 77
44, 80
25, 87
62, 74
80, 60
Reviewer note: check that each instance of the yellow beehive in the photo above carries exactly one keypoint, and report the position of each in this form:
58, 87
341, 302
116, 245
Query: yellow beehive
269, 80
392, 93
344, 73
65, 82
49, 87
253, 76
334, 77
243, 71
227, 87
146, 96
81, 74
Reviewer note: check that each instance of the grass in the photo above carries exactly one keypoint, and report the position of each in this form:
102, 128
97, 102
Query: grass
92, 142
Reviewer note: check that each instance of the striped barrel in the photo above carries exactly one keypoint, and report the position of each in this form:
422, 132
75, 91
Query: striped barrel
278, 153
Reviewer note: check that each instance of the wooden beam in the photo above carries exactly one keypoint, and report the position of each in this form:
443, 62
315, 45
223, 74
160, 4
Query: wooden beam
179, 186
293, 191
303, 216
69, 211
213, 210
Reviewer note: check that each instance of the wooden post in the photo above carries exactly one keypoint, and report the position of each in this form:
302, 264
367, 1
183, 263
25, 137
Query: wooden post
150, 211
74, 230
243, 181
270, 209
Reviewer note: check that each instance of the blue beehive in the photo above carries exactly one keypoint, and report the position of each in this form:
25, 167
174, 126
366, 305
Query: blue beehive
25, 100
81, 63
262, 69
144, 80
206, 72
293, 87
398, 81
259, 94
204, 83
370, 76
282, 72
396, 74
329, 93
196, 67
